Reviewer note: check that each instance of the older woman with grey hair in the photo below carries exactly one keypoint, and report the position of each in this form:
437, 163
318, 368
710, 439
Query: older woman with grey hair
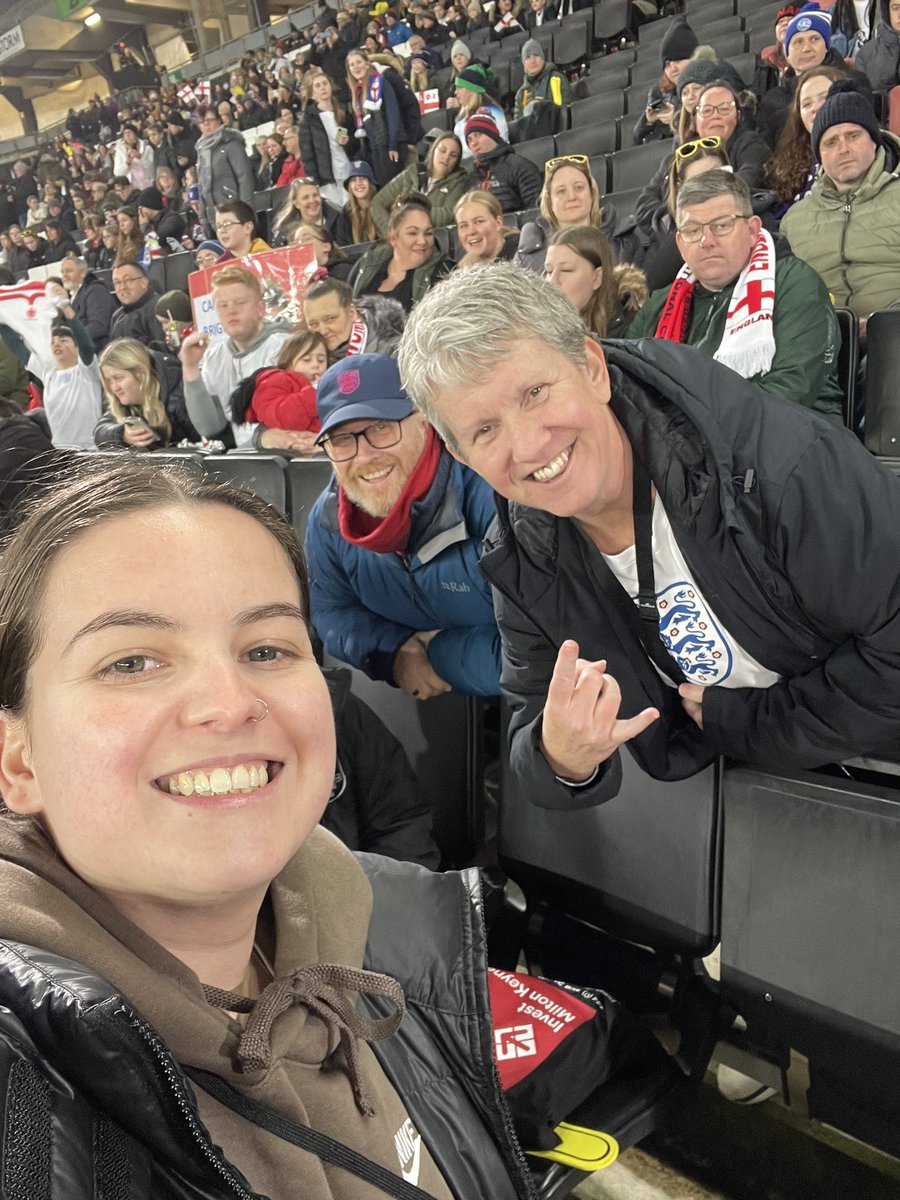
615, 453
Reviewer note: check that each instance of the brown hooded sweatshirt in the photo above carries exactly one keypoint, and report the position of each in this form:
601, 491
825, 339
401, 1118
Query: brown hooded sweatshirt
320, 904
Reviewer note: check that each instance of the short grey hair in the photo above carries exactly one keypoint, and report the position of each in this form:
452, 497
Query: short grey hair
709, 186
78, 262
466, 325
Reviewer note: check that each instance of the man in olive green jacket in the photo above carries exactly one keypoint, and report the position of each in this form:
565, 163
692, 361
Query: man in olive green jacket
13, 378
719, 241
848, 227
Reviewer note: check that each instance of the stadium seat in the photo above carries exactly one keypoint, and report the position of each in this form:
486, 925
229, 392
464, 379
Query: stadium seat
262, 474
176, 268
745, 65
584, 113
604, 81
709, 10
848, 362
443, 741
651, 35
711, 32
613, 19
882, 415
646, 71
602, 138
634, 167
623, 202
572, 42
636, 99
538, 150
544, 34
785, 834
599, 164
732, 44
309, 477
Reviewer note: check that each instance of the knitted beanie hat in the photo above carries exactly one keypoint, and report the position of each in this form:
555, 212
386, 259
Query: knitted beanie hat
809, 20
698, 70
481, 121
532, 46
789, 10
680, 42
150, 198
844, 105
473, 78
460, 50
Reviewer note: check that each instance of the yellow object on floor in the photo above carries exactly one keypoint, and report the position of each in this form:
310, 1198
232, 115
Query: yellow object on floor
580, 1148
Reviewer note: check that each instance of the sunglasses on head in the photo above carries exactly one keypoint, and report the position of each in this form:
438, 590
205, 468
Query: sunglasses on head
579, 160
689, 149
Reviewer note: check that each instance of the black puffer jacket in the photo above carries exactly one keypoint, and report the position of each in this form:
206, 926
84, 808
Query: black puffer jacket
315, 148
109, 433
514, 181
376, 802
93, 1100
755, 490
94, 305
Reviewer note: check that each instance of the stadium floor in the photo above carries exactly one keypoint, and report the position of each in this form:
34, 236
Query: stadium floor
715, 1150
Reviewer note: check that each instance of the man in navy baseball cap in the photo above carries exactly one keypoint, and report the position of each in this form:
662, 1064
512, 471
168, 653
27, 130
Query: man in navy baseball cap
393, 543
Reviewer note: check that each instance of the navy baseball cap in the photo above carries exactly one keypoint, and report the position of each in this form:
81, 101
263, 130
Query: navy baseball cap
363, 385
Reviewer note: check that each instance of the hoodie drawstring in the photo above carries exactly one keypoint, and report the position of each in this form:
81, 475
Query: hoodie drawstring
318, 988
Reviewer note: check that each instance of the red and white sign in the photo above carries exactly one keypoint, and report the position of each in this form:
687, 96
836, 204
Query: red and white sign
429, 101
284, 274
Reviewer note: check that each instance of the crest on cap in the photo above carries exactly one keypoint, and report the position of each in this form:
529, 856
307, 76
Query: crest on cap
803, 24
348, 383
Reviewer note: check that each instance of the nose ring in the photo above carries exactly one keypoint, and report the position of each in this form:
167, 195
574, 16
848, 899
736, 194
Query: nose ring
265, 711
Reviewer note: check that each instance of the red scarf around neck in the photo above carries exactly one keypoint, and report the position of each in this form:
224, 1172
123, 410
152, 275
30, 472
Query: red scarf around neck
676, 313
382, 535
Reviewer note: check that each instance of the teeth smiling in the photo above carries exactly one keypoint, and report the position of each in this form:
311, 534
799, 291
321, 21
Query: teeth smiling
220, 781
377, 475
552, 469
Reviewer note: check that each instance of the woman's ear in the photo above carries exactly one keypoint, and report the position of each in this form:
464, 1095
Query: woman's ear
18, 785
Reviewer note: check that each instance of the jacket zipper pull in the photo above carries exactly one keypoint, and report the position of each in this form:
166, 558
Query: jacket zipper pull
747, 481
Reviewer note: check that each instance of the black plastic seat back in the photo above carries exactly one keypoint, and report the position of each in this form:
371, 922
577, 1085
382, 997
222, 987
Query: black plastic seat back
612, 19
262, 474
601, 138
572, 42
810, 894
606, 107
636, 166
848, 362
442, 738
309, 477
882, 429
603, 82
643, 866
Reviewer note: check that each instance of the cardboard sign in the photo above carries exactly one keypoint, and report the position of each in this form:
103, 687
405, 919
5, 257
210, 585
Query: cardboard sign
285, 276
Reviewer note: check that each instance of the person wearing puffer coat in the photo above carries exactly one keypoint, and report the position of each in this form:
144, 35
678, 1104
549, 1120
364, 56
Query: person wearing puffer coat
514, 180
846, 229
879, 58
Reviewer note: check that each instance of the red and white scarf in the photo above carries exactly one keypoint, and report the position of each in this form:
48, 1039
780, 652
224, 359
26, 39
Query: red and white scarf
748, 339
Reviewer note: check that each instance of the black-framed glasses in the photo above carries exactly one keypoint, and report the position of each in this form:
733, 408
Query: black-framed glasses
689, 149
719, 227
341, 447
